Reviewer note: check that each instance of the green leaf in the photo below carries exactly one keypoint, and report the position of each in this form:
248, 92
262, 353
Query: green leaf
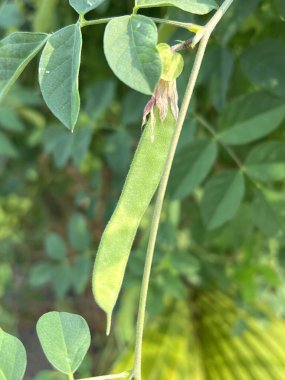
10, 16
7, 149
84, 6
13, 358
234, 19
40, 274
65, 339
130, 48
193, 6
268, 215
55, 247
58, 74
216, 74
222, 198
61, 279
10, 120
81, 273
264, 65
117, 149
78, 233
266, 161
191, 166
16, 51
64, 146
250, 118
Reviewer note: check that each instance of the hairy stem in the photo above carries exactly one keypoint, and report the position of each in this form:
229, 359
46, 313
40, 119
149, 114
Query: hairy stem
186, 25
84, 22
203, 37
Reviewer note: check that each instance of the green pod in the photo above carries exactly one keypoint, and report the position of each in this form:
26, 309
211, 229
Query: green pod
141, 183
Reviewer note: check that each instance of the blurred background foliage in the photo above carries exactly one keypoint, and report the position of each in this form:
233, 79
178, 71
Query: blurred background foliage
217, 296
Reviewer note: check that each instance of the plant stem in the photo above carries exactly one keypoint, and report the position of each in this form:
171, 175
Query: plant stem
186, 25
189, 26
70, 376
84, 22
229, 150
122, 375
204, 39
231, 153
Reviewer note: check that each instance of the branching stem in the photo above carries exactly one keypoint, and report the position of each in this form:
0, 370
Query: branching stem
189, 26
84, 22
203, 37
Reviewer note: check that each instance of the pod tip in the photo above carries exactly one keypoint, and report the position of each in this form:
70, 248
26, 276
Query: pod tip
109, 322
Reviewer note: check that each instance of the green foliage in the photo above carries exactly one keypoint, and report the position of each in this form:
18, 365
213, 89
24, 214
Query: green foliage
62, 272
58, 74
216, 227
16, 51
264, 62
130, 49
55, 247
65, 339
13, 358
250, 118
78, 233
84, 6
222, 198
193, 6
265, 162
191, 166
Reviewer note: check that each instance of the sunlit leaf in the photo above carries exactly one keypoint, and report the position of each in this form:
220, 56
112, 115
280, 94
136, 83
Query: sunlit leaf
13, 358
65, 339
130, 49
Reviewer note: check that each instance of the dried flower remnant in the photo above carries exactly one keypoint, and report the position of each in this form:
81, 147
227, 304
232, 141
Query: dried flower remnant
165, 96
